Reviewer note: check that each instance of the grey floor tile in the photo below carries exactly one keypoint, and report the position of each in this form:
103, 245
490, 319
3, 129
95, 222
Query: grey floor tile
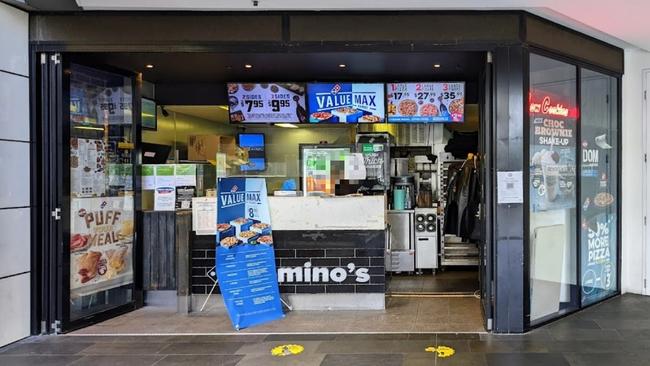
264, 348
200, 360
373, 347
134, 348
297, 360
300, 337
584, 334
526, 359
45, 348
639, 323
213, 348
372, 336
13, 360
363, 360
458, 336
458, 359
511, 346
572, 323
606, 359
535, 335
598, 346
117, 360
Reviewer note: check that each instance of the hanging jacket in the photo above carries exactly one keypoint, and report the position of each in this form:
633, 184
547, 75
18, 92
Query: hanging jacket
463, 199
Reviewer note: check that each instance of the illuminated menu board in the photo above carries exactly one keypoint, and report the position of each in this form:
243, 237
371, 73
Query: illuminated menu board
346, 102
266, 102
425, 102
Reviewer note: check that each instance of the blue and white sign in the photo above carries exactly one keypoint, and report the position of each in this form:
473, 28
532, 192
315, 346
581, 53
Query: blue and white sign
245, 260
345, 102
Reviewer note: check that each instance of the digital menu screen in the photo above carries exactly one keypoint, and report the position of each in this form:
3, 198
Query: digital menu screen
425, 102
266, 102
255, 145
346, 102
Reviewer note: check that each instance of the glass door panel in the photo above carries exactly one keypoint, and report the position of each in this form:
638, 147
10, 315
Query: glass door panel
99, 210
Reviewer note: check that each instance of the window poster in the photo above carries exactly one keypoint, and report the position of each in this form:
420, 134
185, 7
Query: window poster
245, 259
101, 244
552, 153
425, 102
87, 167
346, 102
266, 102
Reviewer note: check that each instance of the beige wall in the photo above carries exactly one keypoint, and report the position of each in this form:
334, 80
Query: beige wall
176, 128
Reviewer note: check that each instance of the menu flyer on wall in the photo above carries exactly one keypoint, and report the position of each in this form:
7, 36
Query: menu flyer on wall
598, 257
87, 167
267, 102
426, 102
165, 190
101, 244
552, 154
345, 103
245, 259
148, 177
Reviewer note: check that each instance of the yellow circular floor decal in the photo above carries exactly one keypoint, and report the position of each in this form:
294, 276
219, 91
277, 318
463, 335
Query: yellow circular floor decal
287, 350
441, 351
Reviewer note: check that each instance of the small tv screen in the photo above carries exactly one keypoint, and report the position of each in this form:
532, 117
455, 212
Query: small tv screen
432, 102
256, 145
345, 102
266, 102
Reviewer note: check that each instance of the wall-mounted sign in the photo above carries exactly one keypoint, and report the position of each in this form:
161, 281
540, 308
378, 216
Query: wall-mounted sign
345, 102
266, 102
425, 102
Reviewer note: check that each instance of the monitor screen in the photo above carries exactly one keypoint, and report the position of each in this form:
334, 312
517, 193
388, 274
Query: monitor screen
266, 102
345, 102
255, 144
434, 102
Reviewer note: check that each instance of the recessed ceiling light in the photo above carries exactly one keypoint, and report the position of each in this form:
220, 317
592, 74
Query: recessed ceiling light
149, 66
436, 66
248, 66
343, 66
286, 125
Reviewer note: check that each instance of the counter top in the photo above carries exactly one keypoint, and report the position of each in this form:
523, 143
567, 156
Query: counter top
328, 213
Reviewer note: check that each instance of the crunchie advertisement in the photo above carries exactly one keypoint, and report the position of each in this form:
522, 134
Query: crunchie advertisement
345, 103
598, 257
101, 244
245, 259
266, 102
425, 102
552, 154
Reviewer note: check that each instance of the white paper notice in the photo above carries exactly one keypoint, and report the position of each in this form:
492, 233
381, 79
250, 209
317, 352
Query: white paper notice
510, 187
355, 168
204, 215
148, 177
164, 199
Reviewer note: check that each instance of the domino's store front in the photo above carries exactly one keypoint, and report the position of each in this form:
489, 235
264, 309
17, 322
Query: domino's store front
367, 181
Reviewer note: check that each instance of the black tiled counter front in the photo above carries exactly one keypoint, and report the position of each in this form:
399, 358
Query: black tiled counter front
357, 253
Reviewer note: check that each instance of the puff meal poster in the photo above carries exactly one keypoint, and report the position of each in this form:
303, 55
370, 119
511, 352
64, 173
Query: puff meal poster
245, 260
101, 244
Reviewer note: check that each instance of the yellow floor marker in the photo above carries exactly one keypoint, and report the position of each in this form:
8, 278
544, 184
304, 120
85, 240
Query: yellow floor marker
441, 351
287, 350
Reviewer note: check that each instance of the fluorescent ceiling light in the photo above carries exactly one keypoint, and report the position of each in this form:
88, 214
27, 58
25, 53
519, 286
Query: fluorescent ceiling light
224, 107
89, 128
286, 125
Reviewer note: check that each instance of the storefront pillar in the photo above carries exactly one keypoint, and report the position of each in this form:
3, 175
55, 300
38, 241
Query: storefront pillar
509, 219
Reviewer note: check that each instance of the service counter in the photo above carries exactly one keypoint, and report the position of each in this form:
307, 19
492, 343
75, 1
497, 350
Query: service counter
329, 252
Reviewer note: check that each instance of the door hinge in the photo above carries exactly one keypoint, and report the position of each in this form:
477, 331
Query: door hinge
43, 59
645, 95
645, 158
56, 213
489, 57
56, 58
56, 327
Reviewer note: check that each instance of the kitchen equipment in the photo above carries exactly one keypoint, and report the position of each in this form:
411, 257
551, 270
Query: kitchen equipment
375, 148
399, 198
426, 238
400, 253
406, 183
399, 167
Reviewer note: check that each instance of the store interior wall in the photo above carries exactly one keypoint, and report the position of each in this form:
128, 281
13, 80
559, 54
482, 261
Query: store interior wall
633, 259
15, 204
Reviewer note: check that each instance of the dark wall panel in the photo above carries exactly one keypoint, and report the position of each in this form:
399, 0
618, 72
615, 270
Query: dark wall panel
547, 35
444, 28
161, 29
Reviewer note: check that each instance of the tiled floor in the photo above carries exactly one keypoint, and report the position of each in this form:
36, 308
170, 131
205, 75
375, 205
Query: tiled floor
616, 332
401, 315
448, 281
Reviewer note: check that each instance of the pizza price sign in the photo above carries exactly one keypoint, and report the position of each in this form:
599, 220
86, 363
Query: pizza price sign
426, 102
